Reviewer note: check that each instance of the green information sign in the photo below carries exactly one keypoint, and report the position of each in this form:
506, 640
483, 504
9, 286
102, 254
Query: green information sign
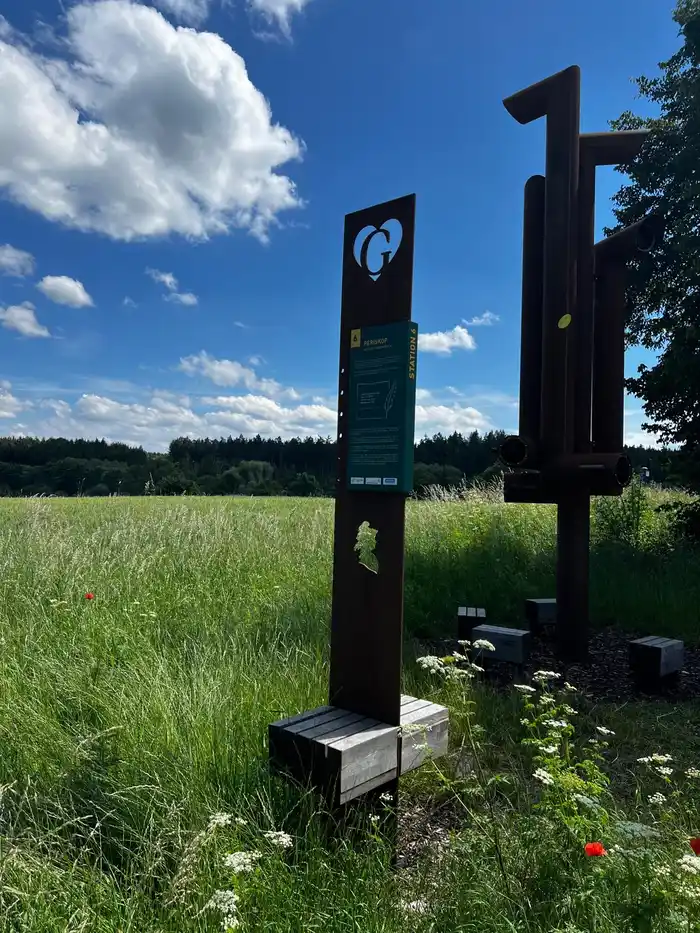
382, 407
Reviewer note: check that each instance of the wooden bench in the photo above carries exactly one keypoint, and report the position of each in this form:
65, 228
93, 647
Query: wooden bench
540, 613
655, 661
466, 620
347, 755
511, 644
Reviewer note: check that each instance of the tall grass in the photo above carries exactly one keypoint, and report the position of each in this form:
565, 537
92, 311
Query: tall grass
126, 721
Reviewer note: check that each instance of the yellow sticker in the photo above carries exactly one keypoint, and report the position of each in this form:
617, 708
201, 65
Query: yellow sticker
564, 322
355, 338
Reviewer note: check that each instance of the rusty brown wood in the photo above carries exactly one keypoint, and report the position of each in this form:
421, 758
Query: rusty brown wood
367, 607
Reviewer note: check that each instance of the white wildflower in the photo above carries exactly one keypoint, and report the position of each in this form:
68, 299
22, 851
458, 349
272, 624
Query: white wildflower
219, 819
386, 798
374, 818
556, 723
225, 902
655, 759
544, 776
524, 722
458, 657
475, 667
570, 687
693, 773
662, 870
413, 728
550, 749
604, 731
570, 711
431, 663
690, 863
524, 688
283, 840
241, 862
481, 644
239, 821
545, 675
657, 798
664, 771
464, 644
546, 700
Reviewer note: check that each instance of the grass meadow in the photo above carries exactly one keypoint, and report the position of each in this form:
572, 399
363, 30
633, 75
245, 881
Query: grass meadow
133, 727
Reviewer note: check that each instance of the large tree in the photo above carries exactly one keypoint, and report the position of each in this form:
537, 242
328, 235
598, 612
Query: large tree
664, 286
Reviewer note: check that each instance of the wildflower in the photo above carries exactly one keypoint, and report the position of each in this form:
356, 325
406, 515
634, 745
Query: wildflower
225, 902
283, 840
431, 663
693, 773
550, 749
594, 849
695, 846
524, 688
241, 862
655, 759
475, 667
544, 776
464, 644
569, 687
570, 711
386, 798
524, 722
374, 819
545, 675
89, 596
481, 644
657, 798
690, 863
546, 700
604, 731
239, 821
219, 819
664, 771
556, 723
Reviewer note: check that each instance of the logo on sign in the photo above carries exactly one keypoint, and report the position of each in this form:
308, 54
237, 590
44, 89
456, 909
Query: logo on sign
391, 481
375, 247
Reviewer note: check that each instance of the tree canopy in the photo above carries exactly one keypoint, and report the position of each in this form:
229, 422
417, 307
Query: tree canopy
664, 284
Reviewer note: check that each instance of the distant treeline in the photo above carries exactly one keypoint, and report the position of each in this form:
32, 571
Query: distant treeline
250, 466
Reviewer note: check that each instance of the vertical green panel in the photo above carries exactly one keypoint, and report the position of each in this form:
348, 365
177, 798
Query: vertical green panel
382, 408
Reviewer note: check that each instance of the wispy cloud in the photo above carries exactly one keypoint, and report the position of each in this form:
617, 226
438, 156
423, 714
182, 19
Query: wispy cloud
171, 284
487, 319
15, 262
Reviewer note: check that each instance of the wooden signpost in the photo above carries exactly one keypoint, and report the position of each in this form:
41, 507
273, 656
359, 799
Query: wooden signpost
357, 743
570, 441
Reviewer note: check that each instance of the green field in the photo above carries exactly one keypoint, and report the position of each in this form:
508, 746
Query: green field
128, 721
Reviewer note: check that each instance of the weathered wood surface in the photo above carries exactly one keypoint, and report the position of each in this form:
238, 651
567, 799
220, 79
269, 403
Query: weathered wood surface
350, 754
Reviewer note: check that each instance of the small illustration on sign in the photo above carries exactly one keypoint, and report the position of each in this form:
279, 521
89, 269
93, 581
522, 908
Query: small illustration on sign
355, 338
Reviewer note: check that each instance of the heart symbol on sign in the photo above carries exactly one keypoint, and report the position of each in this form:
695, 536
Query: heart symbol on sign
383, 242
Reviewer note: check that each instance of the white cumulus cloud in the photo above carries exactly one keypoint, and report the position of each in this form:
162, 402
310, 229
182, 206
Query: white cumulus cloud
190, 12
21, 318
15, 262
444, 342
65, 291
9, 405
233, 373
142, 129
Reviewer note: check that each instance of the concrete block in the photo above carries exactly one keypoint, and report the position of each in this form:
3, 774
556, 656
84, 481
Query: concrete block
655, 660
467, 618
540, 613
511, 644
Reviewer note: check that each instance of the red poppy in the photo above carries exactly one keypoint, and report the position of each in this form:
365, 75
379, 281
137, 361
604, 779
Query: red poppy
594, 848
695, 845
89, 596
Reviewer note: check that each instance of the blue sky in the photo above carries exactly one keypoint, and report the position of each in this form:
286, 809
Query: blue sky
173, 181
